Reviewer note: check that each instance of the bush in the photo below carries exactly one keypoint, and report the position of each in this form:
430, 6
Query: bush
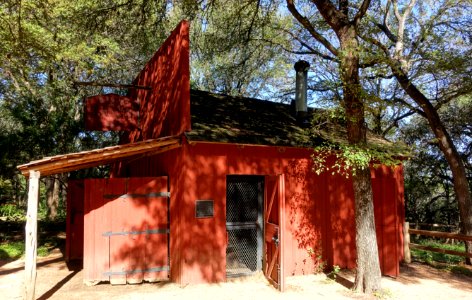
13, 212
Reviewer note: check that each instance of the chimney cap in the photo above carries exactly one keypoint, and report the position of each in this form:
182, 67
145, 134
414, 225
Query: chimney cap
301, 66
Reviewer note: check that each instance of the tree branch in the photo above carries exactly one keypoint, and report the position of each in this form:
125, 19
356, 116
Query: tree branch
401, 25
308, 26
311, 49
361, 12
411, 107
394, 122
387, 32
335, 18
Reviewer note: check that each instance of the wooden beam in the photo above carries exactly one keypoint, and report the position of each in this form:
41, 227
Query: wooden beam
31, 234
81, 160
440, 234
406, 243
115, 85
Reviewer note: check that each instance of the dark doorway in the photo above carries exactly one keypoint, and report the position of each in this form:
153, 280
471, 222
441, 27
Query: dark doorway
244, 224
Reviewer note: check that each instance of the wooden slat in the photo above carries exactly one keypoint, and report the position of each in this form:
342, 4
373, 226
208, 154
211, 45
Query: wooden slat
440, 234
439, 250
120, 245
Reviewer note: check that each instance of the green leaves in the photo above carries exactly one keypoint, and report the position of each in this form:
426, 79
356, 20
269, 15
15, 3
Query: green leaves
347, 159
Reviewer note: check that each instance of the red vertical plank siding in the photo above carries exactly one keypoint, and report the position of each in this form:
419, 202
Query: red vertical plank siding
137, 210
150, 250
203, 240
400, 201
89, 256
110, 112
319, 209
165, 110
96, 222
103, 222
75, 220
341, 222
387, 219
118, 214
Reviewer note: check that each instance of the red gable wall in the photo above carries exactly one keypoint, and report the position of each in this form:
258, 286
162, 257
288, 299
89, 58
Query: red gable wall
165, 110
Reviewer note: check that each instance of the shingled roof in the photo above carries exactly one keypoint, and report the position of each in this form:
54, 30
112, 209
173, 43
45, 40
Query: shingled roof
223, 118
228, 119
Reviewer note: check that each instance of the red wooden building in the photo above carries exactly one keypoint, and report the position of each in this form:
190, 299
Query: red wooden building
226, 190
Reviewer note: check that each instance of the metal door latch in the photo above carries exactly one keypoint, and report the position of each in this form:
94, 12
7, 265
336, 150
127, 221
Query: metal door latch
275, 238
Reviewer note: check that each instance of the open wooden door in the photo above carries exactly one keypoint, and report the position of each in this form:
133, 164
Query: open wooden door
274, 206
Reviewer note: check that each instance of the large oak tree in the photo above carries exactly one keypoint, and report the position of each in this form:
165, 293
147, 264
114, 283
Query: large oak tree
344, 21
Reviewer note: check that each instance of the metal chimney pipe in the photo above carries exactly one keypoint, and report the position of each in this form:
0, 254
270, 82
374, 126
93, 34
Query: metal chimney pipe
301, 106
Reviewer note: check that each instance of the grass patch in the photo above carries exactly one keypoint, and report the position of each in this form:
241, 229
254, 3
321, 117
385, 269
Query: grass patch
12, 238
431, 257
16, 250
12, 250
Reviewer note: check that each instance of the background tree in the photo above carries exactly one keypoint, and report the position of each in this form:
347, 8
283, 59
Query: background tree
48, 46
429, 189
427, 48
236, 48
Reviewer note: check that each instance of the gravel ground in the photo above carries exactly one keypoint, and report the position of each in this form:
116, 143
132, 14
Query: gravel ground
56, 281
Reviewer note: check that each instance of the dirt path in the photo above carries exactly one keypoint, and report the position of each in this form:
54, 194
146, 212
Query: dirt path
56, 281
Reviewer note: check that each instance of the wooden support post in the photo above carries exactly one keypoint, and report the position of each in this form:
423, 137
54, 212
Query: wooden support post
406, 243
31, 234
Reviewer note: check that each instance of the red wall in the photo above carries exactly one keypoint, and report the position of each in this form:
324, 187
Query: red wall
110, 112
75, 220
125, 222
168, 74
319, 209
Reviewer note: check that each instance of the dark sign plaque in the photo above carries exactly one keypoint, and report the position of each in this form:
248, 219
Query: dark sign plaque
204, 209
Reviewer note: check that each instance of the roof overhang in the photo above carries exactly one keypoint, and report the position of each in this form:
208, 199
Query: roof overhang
103, 156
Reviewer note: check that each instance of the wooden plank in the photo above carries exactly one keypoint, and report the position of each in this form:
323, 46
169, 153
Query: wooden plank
406, 243
31, 235
439, 250
89, 244
120, 213
138, 206
440, 234
155, 247
282, 228
102, 222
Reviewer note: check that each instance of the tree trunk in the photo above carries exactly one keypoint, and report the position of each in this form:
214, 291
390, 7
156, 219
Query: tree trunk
459, 176
368, 274
52, 197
